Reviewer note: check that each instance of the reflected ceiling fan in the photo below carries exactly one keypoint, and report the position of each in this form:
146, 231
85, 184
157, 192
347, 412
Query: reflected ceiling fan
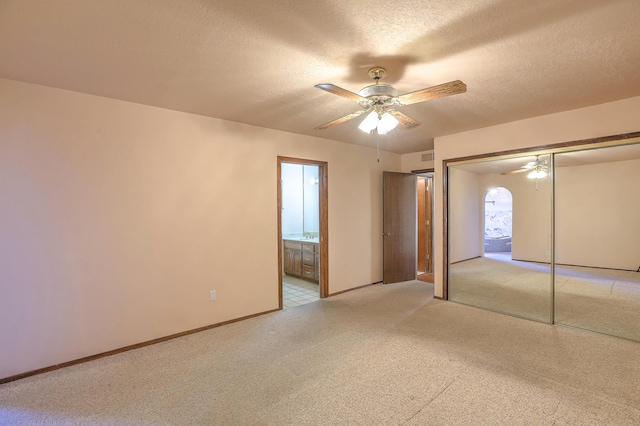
379, 102
537, 169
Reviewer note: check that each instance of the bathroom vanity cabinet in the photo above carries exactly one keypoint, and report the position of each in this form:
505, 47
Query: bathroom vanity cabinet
302, 259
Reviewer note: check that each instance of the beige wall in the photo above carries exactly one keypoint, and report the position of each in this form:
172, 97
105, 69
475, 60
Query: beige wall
601, 120
413, 161
465, 237
116, 219
597, 220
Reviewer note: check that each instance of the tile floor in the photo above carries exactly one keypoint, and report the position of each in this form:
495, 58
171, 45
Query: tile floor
296, 292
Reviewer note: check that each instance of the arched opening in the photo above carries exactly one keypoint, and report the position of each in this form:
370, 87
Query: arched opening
498, 219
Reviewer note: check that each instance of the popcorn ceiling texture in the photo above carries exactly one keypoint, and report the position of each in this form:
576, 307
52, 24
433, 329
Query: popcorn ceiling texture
257, 62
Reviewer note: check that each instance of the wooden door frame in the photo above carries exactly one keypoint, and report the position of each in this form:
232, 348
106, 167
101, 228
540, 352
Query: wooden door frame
429, 205
429, 200
323, 191
422, 224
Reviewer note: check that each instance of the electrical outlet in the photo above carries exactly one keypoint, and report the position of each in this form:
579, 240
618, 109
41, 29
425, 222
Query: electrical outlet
212, 295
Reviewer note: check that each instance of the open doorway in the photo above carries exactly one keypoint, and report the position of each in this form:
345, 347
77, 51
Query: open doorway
425, 231
408, 226
302, 231
498, 220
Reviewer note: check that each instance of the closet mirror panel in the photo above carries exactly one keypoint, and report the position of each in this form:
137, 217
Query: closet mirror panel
499, 235
597, 240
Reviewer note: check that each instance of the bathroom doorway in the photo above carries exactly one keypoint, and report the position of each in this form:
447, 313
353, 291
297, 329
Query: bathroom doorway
302, 231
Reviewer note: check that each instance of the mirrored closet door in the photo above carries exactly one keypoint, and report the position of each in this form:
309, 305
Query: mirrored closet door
499, 230
551, 236
598, 240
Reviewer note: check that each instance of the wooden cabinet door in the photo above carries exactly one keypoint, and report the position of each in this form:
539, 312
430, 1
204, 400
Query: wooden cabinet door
301, 260
288, 261
296, 260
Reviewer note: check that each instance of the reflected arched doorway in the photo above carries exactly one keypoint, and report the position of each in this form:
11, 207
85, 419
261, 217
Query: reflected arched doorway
498, 219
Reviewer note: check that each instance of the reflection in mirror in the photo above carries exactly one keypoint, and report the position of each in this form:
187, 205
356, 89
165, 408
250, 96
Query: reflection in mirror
300, 200
292, 199
499, 235
311, 209
598, 240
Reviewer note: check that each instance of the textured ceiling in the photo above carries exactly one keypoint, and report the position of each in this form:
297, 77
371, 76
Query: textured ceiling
256, 62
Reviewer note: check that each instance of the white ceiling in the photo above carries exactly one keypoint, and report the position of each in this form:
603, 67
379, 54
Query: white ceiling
256, 62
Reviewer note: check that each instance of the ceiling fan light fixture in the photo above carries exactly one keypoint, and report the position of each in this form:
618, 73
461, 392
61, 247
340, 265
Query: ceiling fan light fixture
387, 123
369, 123
537, 174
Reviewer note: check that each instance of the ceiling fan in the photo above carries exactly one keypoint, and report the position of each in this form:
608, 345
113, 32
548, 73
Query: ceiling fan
537, 169
380, 102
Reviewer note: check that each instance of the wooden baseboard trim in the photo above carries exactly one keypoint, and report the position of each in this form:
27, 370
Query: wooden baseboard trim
598, 267
355, 288
464, 260
577, 266
128, 348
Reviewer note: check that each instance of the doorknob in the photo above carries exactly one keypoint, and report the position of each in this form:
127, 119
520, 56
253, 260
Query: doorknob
386, 234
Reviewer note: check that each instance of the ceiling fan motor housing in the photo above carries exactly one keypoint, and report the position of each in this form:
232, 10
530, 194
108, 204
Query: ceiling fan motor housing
378, 90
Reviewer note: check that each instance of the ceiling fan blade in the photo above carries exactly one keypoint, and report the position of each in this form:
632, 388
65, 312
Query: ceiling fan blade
332, 88
341, 119
515, 171
440, 91
403, 119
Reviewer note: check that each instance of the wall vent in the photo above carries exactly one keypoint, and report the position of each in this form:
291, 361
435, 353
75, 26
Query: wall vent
427, 156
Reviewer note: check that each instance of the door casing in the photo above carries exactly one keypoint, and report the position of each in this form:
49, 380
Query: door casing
425, 223
324, 222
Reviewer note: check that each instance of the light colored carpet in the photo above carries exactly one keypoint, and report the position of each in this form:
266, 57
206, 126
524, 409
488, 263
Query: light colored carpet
602, 300
383, 355
518, 288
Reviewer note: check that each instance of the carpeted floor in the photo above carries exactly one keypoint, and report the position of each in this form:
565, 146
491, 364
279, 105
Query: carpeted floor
383, 355
601, 300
